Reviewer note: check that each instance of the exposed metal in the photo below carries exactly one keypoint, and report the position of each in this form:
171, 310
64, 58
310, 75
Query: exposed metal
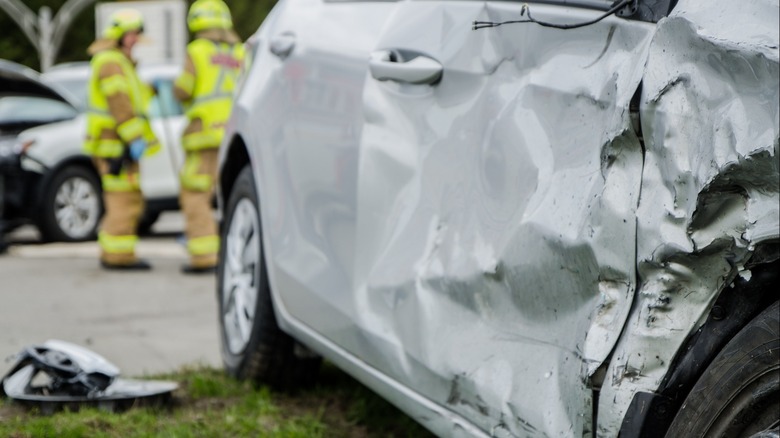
709, 200
651, 414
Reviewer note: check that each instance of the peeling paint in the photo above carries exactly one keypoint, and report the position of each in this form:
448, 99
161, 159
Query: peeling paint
710, 182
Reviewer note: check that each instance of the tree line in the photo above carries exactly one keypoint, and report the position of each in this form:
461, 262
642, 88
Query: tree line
14, 45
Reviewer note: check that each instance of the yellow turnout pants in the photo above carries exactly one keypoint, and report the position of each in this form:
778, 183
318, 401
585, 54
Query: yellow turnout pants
197, 189
124, 204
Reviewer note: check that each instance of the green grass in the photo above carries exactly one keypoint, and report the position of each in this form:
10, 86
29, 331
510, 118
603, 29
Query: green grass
210, 404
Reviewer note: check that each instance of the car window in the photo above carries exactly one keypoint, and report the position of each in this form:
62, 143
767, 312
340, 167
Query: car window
164, 104
27, 109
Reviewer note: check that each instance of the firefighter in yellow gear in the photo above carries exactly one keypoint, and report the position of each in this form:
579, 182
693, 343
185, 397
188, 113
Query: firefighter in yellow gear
118, 134
205, 87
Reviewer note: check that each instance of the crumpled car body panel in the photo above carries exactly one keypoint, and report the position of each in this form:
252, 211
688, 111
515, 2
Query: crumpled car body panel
484, 245
710, 117
494, 256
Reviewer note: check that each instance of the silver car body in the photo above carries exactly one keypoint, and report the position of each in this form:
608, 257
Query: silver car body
486, 250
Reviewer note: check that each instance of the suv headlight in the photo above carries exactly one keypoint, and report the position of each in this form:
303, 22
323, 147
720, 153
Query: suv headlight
8, 147
14, 146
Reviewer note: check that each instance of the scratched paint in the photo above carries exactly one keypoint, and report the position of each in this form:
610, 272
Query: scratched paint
499, 242
710, 182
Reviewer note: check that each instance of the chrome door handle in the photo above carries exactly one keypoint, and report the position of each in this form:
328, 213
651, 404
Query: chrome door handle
405, 67
283, 44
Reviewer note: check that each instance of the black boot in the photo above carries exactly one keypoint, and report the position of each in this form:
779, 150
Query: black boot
138, 265
190, 269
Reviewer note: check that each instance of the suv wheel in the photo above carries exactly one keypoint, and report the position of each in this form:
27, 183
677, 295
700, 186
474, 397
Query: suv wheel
71, 206
253, 346
739, 393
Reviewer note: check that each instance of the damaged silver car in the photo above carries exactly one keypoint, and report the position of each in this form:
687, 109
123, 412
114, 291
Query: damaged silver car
552, 218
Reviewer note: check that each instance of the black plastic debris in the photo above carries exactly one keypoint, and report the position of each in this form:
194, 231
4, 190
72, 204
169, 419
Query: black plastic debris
59, 375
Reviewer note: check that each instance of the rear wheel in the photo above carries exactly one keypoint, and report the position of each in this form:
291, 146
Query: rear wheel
253, 346
739, 393
71, 206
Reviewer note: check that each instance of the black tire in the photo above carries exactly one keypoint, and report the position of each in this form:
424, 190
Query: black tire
145, 224
267, 355
739, 393
71, 206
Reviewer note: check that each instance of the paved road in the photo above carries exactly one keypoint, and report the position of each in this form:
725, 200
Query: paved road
143, 322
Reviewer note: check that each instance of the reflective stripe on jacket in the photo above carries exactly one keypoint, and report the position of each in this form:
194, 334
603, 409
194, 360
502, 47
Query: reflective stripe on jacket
117, 101
207, 85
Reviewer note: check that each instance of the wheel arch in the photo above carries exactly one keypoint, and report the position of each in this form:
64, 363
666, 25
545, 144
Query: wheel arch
270, 355
651, 414
235, 158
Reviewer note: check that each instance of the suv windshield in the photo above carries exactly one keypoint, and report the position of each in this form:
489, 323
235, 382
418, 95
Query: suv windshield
17, 110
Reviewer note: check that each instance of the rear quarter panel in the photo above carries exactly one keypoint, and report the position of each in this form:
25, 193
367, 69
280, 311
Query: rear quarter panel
710, 115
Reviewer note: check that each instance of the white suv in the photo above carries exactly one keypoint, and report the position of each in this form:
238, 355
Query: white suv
66, 204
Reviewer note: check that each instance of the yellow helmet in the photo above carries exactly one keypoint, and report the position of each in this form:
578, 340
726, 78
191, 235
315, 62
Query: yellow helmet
209, 14
121, 22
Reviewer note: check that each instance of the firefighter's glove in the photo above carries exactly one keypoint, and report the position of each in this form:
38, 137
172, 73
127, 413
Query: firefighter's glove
137, 148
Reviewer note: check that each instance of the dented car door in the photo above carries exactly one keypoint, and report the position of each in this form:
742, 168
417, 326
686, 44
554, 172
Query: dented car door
497, 268
557, 218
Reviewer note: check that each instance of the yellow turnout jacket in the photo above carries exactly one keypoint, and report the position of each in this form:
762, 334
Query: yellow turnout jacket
117, 106
206, 87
